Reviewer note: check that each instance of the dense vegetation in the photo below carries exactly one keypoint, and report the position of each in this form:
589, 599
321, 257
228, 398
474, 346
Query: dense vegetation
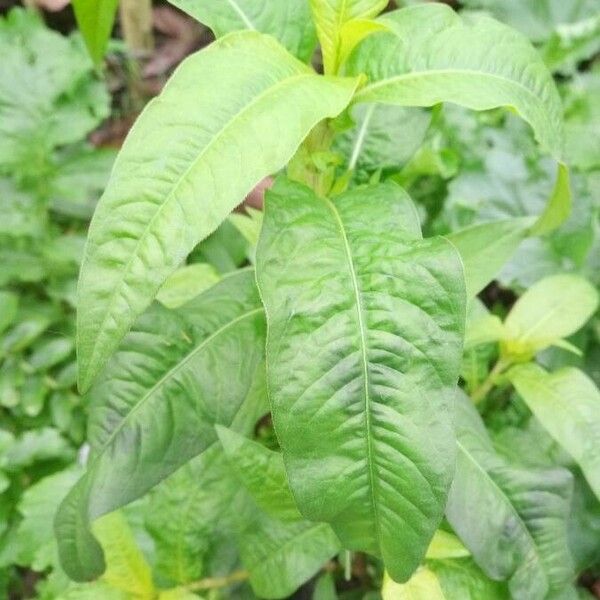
268, 402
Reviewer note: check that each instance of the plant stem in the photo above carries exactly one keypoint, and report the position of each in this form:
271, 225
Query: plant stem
490, 381
136, 22
210, 583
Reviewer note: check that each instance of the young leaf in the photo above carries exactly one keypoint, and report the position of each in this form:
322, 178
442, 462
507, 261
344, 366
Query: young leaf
186, 283
288, 21
126, 567
519, 532
179, 174
279, 549
485, 248
156, 407
446, 580
365, 326
95, 19
433, 55
330, 17
567, 404
551, 309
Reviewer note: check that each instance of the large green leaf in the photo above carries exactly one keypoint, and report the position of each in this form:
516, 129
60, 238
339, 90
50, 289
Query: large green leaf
513, 520
229, 116
567, 404
331, 16
279, 548
434, 55
365, 329
290, 21
156, 406
95, 19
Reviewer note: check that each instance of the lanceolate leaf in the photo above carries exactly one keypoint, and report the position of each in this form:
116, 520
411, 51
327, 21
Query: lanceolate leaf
551, 309
280, 549
262, 472
331, 16
365, 327
287, 21
567, 404
512, 520
176, 375
485, 248
95, 19
434, 55
228, 117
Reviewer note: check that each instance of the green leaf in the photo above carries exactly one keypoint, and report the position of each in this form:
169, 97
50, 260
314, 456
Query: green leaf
353, 332
262, 472
95, 19
385, 137
551, 309
280, 549
558, 208
486, 247
539, 19
445, 545
175, 181
9, 305
288, 21
513, 520
446, 580
156, 407
567, 404
50, 353
126, 567
434, 55
186, 514
49, 95
35, 545
186, 283
330, 17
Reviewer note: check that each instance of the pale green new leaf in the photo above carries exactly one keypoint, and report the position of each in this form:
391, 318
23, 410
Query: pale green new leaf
567, 404
553, 308
177, 374
434, 55
446, 580
486, 247
95, 19
126, 567
445, 545
279, 548
365, 327
186, 283
330, 17
289, 21
513, 520
230, 115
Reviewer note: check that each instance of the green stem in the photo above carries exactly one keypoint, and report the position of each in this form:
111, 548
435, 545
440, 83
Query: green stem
490, 381
210, 583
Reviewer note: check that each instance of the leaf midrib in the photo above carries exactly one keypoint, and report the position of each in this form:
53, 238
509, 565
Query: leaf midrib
236, 117
172, 371
241, 14
365, 364
432, 72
